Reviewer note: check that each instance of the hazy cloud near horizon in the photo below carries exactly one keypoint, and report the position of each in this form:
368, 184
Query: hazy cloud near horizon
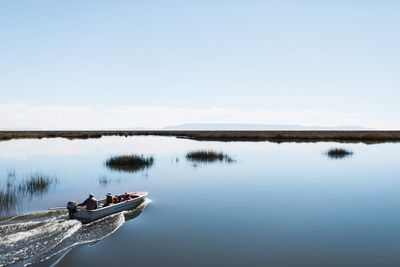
22, 115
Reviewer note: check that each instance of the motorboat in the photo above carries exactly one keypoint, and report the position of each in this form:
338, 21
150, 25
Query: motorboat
86, 216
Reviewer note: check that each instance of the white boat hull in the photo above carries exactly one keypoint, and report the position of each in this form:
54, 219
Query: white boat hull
87, 216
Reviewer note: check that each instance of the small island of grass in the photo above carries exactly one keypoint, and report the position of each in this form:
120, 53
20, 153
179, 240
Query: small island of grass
208, 156
338, 153
129, 163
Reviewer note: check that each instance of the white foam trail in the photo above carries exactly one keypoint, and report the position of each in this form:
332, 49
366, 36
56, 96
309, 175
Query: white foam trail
89, 233
37, 216
18, 227
42, 236
31, 242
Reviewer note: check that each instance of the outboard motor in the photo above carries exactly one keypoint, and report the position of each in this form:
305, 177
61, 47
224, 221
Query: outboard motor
72, 207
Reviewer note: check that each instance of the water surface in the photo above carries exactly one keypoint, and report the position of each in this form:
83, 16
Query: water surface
276, 205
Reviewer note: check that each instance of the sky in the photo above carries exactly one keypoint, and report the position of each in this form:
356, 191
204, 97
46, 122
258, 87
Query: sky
124, 64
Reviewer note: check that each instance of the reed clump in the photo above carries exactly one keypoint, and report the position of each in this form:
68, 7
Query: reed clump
13, 193
338, 153
37, 184
129, 163
208, 156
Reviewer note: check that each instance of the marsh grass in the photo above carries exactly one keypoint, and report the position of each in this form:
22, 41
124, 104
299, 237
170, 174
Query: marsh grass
208, 156
37, 184
129, 163
13, 193
338, 153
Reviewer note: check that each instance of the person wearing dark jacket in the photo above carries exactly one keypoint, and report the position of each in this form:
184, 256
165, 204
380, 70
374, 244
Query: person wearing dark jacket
90, 203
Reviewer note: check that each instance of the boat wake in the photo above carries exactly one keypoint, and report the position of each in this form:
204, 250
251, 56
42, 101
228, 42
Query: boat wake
46, 236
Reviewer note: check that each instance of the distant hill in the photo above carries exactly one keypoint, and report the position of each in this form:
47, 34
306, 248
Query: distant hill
255, 127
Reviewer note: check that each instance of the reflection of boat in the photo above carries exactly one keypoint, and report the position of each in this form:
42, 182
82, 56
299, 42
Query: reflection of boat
87, 216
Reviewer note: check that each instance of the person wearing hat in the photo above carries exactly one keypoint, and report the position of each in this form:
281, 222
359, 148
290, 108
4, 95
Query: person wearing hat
90, 202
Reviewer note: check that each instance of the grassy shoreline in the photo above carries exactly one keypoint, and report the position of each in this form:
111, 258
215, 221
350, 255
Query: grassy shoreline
369, 137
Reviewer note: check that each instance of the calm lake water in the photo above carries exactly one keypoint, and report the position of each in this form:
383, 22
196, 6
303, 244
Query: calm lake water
277, 205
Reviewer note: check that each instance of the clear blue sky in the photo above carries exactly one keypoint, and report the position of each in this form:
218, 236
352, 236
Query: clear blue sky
328, 56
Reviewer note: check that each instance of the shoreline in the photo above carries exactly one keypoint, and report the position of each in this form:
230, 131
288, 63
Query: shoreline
368, 137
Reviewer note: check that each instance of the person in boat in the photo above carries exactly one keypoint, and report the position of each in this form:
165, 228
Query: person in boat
127, 197
109, 200
115, 199
90, 203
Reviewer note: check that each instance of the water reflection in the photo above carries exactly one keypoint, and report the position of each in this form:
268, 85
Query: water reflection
130, 215
289, 210
14, 192
9, 200
105, 181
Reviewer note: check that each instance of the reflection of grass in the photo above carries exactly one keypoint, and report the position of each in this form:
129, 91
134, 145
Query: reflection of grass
208, 156
8, 199
37, 184
8, 195
338, 153
11, 174
129, 163
104, 181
